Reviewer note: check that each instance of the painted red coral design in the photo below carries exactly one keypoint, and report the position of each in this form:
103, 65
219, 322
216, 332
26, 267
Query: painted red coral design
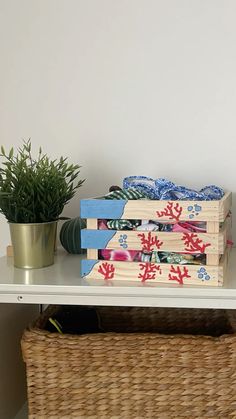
178, 274
107, 270
172, 210
193, 243
149, 242
149, 271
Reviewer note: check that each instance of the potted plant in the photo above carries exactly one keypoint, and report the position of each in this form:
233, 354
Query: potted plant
33, 193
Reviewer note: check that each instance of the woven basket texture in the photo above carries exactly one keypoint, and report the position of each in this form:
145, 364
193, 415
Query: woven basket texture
146, 363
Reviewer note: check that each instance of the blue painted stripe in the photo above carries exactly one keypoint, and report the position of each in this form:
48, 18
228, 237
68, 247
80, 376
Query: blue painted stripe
96, 239
102, 208
87, 266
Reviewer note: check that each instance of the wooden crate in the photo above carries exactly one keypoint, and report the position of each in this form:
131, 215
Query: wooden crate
213, 243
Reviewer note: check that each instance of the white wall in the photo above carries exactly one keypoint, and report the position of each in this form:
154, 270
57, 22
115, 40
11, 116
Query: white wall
122, 87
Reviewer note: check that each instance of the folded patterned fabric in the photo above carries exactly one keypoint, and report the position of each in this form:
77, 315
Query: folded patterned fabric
184, 227
130, 194
152, 225
163, 189
154, 257
120, 255
122, 224
182, 258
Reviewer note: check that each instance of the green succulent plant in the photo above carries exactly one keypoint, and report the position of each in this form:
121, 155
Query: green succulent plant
35, 190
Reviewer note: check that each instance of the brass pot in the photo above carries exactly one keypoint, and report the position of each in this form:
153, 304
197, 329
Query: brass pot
33, 244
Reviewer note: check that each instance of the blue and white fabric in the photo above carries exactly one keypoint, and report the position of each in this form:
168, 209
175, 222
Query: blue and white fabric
163, 189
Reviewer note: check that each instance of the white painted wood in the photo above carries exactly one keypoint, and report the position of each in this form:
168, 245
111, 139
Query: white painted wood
23, 412
128, 300
13, 319
62, 284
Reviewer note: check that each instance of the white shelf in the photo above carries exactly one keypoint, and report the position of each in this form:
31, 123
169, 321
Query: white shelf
62, 284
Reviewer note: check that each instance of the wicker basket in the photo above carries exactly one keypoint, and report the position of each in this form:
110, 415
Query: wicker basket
146, 365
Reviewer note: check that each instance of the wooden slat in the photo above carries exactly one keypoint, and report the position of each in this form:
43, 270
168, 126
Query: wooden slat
171, 211
224, 262
213, 259
208, 243
226, 231
162, 273
92, 223
9, 251
225, 205
228, 222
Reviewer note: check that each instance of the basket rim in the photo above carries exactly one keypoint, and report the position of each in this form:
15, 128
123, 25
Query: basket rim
35, 330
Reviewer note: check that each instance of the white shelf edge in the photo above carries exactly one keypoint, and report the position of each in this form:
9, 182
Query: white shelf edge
116, 300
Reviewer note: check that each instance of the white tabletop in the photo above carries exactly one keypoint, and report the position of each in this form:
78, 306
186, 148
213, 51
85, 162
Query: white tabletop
61, 283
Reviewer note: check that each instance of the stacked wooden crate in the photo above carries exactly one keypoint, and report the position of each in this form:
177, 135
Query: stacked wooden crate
212, 243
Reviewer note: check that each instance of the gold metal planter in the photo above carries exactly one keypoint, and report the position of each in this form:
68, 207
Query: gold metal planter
33, 244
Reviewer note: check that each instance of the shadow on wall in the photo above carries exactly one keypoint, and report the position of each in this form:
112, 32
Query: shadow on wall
233, 215
5, 235
99, 179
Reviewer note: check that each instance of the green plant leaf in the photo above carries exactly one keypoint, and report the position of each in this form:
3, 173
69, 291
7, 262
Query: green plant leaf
11, 153
35, 190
